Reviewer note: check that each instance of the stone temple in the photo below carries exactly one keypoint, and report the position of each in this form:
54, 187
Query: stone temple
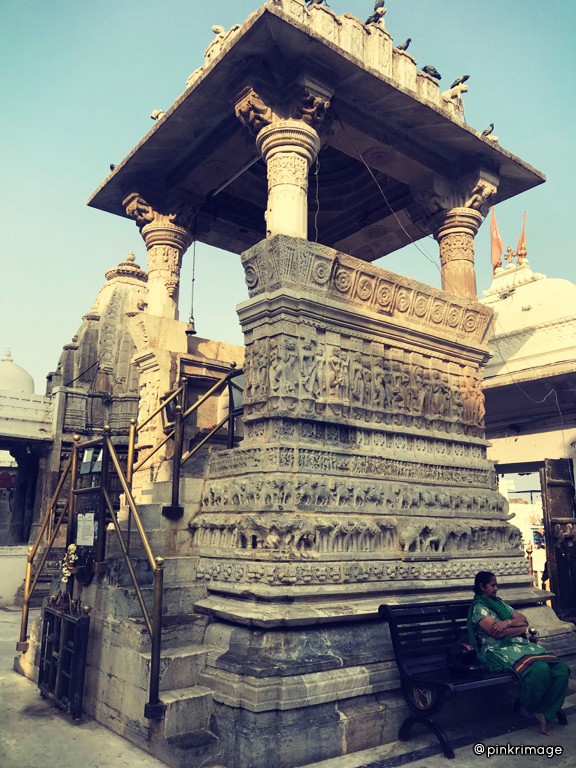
361, 476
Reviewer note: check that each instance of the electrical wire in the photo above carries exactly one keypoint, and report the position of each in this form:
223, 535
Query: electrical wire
82, 374
411, 240
193, 281
316, 213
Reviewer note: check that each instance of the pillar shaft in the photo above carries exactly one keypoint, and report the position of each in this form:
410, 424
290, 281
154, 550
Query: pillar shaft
288, 148
455, 234
166, 242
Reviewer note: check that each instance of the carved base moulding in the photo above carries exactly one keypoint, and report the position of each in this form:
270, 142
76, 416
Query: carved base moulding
291, 536
307, 579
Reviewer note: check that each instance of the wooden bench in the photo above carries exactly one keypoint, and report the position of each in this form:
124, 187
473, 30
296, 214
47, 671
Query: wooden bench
422, 636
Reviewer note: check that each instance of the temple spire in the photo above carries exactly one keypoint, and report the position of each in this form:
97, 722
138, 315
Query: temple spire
497, 246
521, 250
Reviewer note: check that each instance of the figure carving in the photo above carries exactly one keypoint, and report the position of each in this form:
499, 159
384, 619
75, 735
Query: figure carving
453, 99
310, 108
252, 111
480, 197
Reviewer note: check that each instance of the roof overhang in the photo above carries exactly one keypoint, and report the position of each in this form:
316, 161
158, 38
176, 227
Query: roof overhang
364, 205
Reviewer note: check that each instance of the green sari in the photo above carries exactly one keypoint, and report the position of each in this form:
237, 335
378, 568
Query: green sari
543, 678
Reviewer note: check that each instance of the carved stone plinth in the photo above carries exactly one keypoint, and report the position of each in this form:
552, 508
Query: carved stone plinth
363, 467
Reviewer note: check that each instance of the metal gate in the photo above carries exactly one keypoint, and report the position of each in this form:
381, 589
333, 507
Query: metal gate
63, 653
558, 499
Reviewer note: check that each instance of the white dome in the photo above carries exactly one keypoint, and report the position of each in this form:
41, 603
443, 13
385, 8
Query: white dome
523, 299
13, 378
534, 320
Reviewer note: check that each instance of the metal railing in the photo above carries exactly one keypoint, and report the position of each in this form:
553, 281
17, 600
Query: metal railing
154, 708
181, 413
50, 526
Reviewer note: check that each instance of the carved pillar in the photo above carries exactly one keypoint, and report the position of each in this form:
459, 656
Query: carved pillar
287, 138
167, 237
453, 213
288, 147
455, 235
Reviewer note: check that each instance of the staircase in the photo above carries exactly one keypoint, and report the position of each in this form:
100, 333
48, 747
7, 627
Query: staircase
119, 661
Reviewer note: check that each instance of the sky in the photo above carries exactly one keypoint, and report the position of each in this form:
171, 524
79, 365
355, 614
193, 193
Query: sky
79, 79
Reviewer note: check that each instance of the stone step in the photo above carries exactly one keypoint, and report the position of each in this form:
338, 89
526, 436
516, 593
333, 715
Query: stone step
180, 667
122, 602
188, 710
197, 749
177, 631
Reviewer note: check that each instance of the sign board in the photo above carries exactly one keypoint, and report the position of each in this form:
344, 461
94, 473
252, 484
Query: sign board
86, 529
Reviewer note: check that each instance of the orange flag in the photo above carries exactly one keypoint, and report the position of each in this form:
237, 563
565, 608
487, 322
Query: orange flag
521, 247
496, 242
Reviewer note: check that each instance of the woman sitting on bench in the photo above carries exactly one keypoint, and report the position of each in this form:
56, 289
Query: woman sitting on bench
498, 633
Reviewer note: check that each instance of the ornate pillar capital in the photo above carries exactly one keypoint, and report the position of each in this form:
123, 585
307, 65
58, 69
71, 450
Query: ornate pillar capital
286, 135
167, 232
257, 105
453, 212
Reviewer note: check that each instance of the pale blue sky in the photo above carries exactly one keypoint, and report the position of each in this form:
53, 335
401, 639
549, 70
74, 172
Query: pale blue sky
80, 78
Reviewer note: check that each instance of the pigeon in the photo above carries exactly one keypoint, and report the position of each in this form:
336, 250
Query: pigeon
460, 80
379, 11
432, 71
488, 131
376, 16
157, 114
315, 2
112, 166
404, 46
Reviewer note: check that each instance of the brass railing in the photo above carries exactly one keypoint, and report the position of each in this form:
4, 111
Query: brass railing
50, 526
48, 531
154, 708
181, 413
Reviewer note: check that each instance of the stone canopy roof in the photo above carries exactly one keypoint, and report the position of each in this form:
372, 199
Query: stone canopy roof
387, 132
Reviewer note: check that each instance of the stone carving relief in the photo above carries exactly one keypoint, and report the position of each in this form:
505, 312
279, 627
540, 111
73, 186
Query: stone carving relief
296, 538
383, 442
286, 537
480, 197
456, 245
310, 107
347, 494
475, 192
214, 49
287, 167
453, 101
149, 397
323, 272
422, 537
305, 374
288, 573
163, 257
252, 111
180, 211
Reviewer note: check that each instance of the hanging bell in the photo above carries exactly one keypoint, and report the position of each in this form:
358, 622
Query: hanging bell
190, 328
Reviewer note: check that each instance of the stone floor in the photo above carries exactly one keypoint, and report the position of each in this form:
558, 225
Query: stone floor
34, 734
